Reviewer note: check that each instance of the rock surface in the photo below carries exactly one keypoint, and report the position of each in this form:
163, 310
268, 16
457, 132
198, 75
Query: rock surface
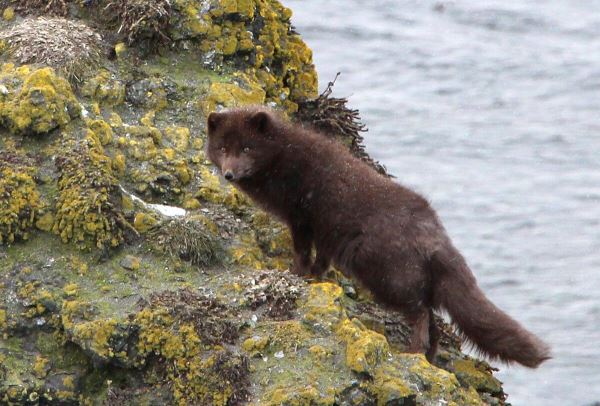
129, 272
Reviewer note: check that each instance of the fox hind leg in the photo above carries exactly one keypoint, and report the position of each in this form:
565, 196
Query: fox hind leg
425, 333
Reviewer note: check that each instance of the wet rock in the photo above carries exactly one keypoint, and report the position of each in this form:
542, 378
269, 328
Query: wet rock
355, 396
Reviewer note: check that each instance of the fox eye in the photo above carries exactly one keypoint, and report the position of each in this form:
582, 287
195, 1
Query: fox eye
246, 150
223, 149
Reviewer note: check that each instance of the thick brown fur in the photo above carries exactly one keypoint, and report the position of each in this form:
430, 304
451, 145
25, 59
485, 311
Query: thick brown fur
369, 226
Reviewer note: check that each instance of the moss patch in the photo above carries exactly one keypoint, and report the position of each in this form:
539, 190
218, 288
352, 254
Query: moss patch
188, 239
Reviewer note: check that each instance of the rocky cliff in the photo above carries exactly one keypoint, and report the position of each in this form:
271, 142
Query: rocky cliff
129, 272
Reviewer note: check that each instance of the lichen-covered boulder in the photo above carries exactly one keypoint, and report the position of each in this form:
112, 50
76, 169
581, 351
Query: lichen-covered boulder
130, 273
35, 101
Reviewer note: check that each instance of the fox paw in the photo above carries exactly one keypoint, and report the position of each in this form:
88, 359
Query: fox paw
300, 270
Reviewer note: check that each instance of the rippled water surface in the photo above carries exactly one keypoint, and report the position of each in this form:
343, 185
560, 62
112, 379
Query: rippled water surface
492, 110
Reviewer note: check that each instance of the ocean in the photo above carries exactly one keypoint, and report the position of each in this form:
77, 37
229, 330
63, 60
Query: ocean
491, 109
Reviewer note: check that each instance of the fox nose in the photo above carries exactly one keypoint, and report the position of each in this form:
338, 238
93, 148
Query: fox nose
228, 175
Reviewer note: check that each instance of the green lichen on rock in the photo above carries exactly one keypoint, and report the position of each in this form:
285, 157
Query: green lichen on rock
87, 208
35, 101
20, 200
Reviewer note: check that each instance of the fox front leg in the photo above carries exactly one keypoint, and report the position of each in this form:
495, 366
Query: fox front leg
302, 237
321, 264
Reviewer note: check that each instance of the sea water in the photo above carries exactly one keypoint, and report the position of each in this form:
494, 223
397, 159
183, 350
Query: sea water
491, 109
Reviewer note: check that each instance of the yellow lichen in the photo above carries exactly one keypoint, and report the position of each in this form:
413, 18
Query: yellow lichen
8, 14
3, 320
96, 335
45, 222
274, 56
365, 349
210, 188
148, 119
235, 200
179, 137
131, 263
391, 389
476, 375
36, 297
232, 95
289, 335
102, 130
78, 265
72, 289
38, 101
144, 222
322, 307
119, 163
87, 210
249, 256
104, 88
319, 352
255, 344
20, 200
182, 171
195, 379
300, 395
68, 382
120, 49
191, 204
40, 367
115, 120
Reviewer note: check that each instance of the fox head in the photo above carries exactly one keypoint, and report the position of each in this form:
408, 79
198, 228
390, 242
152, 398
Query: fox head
241, 142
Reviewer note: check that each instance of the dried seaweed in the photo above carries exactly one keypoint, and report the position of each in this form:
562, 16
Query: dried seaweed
70, 47
141, 19
47, 7
332, 117
212, 320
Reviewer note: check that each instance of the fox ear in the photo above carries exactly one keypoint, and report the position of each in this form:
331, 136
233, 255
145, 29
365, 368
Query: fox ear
260, 121
213, 121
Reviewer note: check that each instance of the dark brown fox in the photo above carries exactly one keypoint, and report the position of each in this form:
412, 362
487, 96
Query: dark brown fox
384, 234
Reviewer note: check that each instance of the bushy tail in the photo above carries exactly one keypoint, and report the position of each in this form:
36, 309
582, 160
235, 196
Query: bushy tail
494, 332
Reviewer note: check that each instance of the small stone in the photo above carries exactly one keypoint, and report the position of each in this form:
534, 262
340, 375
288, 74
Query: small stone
120, 49
45, 222
143, 222
8, 14
279, 354
130, 262
349, 290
